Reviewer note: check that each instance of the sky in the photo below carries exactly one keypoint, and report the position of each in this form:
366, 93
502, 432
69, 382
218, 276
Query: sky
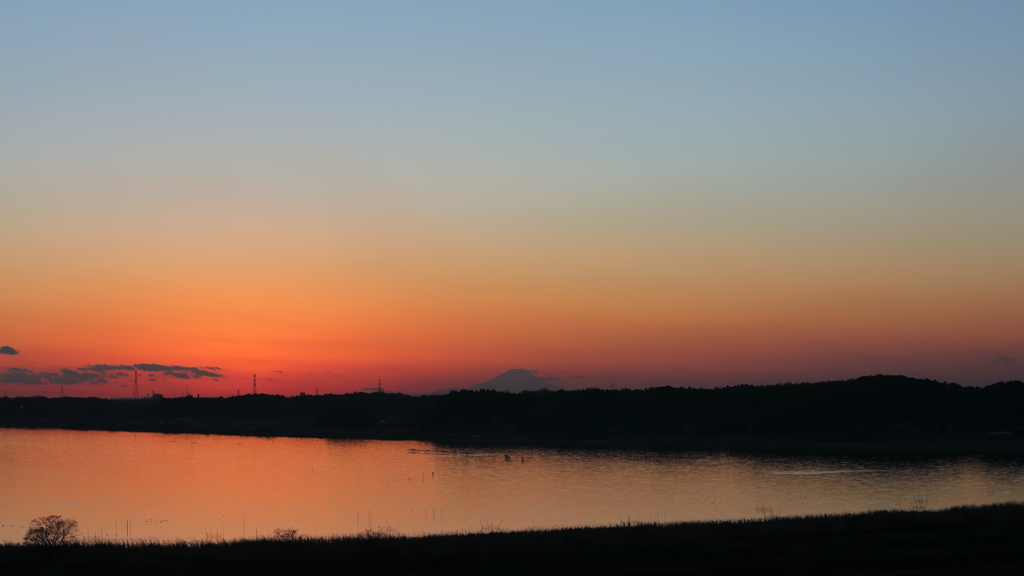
623, 194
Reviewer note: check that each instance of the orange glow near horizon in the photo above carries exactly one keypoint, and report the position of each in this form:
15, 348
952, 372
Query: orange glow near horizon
424, 330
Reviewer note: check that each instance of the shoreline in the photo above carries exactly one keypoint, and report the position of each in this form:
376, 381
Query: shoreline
907, 445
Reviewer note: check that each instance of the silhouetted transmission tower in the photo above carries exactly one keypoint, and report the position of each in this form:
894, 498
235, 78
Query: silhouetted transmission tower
135, 390
253, 384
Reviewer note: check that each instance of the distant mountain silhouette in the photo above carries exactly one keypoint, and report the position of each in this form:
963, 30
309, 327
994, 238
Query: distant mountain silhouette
515, 380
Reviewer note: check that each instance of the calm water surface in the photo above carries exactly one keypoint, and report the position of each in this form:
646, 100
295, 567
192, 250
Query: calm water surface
194, 486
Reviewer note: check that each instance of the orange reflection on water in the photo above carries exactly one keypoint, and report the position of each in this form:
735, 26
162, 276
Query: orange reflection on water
193, 486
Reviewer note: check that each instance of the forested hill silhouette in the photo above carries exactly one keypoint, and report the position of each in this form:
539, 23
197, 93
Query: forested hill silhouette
867, 405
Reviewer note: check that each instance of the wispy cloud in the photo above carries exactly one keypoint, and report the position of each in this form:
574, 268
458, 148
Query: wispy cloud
549, 377
183, 372
104, 368
65, 376
20, 376
174, 371
100, 373
68, 376
8, 350
998, 359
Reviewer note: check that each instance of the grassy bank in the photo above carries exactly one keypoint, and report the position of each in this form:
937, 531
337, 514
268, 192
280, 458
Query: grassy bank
962, 540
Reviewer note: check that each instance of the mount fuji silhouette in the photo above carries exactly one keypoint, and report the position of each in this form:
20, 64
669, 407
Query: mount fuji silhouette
515, 380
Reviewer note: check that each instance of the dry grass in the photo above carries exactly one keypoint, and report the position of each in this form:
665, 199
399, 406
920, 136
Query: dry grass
893, 534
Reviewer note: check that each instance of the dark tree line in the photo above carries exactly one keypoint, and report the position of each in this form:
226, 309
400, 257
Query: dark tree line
870, 404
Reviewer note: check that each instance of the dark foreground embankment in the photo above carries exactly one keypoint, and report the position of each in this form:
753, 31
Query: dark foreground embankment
966, 540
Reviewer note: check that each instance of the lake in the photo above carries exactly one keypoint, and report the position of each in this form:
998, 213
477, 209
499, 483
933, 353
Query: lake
168, 486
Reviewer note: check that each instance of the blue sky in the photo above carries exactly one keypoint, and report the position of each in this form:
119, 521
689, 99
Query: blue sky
581, 157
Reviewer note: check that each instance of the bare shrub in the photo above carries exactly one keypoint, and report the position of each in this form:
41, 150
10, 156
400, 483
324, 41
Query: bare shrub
491, 528
768, 512
287, 534
51, 531
379, 533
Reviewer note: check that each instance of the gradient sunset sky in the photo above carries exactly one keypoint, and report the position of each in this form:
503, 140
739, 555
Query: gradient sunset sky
431, 193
